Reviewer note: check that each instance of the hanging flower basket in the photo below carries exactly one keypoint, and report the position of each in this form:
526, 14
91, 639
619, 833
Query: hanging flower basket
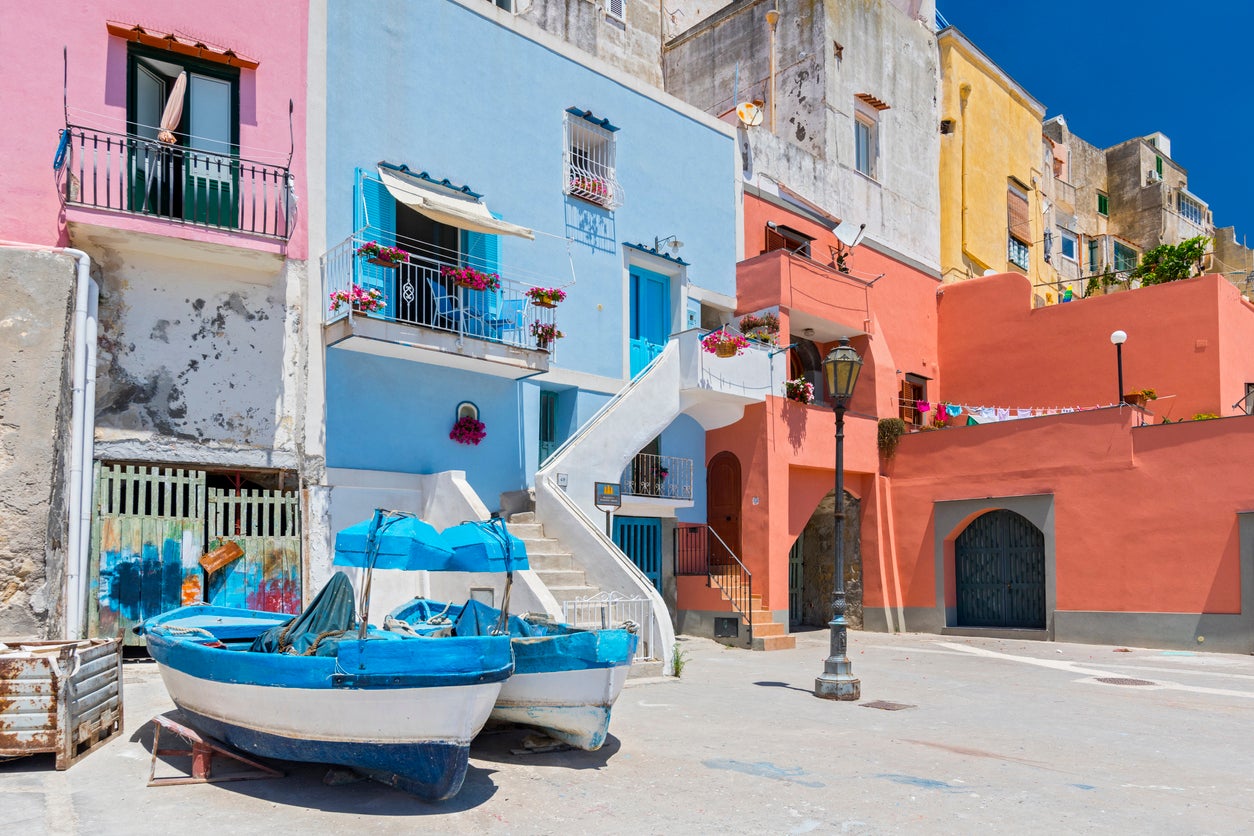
799, 390
545, 333
762, 329
467, 430
376, 253
724, 343
358, 299
546, 297
471, 279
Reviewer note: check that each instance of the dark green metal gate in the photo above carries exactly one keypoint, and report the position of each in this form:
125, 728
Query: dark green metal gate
999, 564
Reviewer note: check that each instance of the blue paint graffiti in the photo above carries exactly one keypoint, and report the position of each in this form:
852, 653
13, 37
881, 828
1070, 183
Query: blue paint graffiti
139, 586
764, 769
924, 783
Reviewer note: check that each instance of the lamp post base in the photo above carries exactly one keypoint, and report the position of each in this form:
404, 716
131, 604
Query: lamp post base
837, 682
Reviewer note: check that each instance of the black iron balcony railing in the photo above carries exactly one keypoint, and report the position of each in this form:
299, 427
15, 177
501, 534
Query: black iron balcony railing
664, 477
127, 173
700, 551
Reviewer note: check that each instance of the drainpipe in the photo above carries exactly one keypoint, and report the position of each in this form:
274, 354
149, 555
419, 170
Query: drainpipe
772, 19
964, 93
82, 431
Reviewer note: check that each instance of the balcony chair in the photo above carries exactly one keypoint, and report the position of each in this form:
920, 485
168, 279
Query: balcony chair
509, 319
449, 308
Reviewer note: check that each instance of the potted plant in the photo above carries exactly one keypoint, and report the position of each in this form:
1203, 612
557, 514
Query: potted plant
545, 333
592, 188
799, 390
663, 471
376, 253
1140, 397
545, 297
470, 278
763, 329
359, 299
724, 343
468, 430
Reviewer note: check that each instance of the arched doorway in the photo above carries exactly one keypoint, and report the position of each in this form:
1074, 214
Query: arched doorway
722, 504
811, 582
999, 572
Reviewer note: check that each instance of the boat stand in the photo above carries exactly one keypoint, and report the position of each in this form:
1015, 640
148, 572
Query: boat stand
202, 752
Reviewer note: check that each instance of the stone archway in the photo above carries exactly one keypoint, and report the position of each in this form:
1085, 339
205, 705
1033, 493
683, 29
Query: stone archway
818, 563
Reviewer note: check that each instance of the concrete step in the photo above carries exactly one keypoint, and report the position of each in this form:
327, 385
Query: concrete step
774, 642
562, 577
770, 628
524, 517
556, 562
544, 545
640, 670
524, 531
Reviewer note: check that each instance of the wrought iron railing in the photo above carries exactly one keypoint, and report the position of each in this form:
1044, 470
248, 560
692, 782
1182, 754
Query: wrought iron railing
664, 477
607, 610
417, 292
128, 173
700, 551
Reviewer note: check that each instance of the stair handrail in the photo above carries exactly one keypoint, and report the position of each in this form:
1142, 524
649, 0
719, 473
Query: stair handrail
747, 612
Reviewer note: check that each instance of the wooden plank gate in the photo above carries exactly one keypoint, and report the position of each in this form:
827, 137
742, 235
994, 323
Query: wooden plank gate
266, 525
148, 535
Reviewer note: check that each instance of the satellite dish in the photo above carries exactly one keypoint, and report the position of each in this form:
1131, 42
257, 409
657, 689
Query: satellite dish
750, 114
848, 234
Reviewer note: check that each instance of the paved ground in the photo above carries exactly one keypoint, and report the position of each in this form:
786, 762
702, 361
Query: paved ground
999, 736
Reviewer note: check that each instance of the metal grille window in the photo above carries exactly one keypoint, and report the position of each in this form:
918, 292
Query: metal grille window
1017, 252
590, 170
616, 9
1190, 209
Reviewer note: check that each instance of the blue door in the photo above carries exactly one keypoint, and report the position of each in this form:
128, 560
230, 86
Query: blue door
640, 538
650, 325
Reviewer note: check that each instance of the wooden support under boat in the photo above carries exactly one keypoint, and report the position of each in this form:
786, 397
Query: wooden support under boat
202, 752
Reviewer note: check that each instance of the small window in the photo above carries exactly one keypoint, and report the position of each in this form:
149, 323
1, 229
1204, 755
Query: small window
1068, 244
1249, 399
1094, 255
590, 152
786, 238
1158, 166
1125, 258
1017, 252
913, 391
616, 9
865, 141
1103, 204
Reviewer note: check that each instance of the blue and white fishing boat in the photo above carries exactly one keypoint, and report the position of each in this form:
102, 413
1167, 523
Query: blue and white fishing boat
326, 687
565, 679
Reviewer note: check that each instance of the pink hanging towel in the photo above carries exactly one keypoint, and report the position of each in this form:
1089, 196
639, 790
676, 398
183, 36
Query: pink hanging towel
922, 406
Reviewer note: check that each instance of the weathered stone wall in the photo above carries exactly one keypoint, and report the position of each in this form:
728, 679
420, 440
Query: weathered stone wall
1088, 176
1234, 259
633, 47
818, 563
35, 381
200, 362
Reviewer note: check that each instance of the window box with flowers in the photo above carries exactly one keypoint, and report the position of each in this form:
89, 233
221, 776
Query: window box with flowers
724, 343
545, 333
799, 390
546, 297
471, 279
358, 299
376, 253
468, 430
762, 329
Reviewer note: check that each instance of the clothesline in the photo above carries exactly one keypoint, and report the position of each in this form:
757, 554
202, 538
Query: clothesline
993, 414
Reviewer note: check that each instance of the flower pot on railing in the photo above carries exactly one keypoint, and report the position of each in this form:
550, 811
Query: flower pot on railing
546, 297
724, 343
545, 333
388, 257
358, 300
470, 278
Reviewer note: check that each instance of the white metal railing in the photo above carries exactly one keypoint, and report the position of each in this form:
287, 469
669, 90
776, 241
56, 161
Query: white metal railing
666, 477
415, 292
608, 610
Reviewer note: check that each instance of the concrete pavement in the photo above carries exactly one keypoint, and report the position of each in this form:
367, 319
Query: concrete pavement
998, 736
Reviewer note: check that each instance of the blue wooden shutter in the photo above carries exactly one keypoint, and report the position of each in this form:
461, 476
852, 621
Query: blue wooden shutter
482, 252
374, 219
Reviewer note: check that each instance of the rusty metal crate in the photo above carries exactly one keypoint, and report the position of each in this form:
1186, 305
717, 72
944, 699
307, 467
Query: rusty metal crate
63, 697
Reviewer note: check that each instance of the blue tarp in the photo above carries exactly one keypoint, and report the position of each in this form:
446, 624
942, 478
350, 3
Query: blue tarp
331, 612
404, 543
485, 547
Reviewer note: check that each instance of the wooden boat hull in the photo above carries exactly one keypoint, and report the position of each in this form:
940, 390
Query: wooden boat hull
402, 710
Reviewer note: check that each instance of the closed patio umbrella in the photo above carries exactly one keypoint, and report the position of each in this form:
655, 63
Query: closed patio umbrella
173, 110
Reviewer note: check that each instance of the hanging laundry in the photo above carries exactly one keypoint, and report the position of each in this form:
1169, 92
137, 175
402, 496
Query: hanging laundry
1023, 413
922, 406
971, 422
1003, 414
953, 411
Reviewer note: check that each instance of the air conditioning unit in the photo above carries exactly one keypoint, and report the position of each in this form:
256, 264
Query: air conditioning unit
1153, 177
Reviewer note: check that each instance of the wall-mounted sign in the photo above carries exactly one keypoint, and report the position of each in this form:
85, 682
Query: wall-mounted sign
607, 495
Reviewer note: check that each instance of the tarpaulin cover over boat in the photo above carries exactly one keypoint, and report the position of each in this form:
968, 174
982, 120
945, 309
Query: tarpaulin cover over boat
403, 543
485, 547
330, 613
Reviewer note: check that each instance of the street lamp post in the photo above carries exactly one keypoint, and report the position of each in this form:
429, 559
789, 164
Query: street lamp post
837, 681
1119, 338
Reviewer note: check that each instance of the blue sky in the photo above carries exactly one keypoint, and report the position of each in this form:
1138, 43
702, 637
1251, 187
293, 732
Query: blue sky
1117, 69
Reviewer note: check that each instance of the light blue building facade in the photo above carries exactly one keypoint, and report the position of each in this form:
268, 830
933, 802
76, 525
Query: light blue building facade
470, 139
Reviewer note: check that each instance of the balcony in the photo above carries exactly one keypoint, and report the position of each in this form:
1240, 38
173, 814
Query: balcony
822, 302
715, 390
127, 174
652, 483
427, 319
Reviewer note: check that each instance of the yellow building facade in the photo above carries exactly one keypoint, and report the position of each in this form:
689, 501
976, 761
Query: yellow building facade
992, 168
